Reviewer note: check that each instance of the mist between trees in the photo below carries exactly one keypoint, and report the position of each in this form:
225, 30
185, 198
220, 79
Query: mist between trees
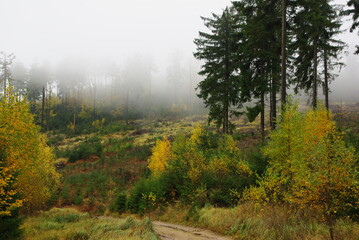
78, 91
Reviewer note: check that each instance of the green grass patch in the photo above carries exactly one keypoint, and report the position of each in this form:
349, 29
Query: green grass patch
70, 224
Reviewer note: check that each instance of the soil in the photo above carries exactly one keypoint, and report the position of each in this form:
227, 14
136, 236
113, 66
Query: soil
169, 231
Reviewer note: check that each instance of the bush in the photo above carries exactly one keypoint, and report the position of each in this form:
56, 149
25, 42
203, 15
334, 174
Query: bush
257, 161
204, 168
310, 166
9, 226
78, 199
148, 193
119, 203
86, 149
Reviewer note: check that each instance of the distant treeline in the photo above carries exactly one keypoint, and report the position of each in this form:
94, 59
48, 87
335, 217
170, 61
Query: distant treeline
77, 91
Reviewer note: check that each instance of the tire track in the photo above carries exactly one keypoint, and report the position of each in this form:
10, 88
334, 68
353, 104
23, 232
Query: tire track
169, 231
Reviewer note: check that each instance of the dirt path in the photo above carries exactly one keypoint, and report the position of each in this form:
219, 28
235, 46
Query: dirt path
169, 231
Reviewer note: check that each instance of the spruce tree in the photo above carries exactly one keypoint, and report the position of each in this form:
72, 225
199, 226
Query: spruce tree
218, 48
331, 47
316, 24
354, 12
260, 52
284, 53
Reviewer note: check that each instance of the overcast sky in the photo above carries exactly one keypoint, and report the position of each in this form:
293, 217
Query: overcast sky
52, 29
49, 30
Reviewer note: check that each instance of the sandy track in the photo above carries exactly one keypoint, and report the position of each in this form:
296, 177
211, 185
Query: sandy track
169, 231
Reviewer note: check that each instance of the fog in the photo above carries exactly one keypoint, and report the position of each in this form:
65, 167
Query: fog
53, 29
104, 40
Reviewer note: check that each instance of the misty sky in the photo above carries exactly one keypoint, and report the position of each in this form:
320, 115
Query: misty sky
49, 30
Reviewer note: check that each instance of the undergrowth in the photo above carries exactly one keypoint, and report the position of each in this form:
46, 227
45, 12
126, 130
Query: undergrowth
70, 224
250, 221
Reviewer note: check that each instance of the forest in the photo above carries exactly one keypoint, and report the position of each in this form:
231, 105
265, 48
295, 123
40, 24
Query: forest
239, 140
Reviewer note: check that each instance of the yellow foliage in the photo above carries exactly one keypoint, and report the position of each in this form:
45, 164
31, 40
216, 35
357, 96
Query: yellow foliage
161, 155
8, 200
196, 135
310, 165
242, 168
197, 166
85, 113
228, 144
219, 166
99, 123
25, 150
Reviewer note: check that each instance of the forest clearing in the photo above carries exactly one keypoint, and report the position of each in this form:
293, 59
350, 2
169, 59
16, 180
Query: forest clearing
179, 120
117, 160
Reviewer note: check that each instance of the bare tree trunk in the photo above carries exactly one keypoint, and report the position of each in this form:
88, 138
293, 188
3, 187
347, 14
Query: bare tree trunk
43, 108
284, 54
315, 70
326, 83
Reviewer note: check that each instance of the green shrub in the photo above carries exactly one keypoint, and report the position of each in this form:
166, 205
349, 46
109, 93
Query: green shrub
119, 203
78, 199
10, 226
65, 194
140, 200
257, 161
86, 149
53, 140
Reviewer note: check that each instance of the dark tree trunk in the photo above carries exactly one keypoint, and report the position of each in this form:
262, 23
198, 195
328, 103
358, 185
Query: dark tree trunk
262, 115
315, 70
270, 103
273, 105
48, 109
5, 76
225, 119
74, 114
284, 54
126, 107
326, 83
94, 101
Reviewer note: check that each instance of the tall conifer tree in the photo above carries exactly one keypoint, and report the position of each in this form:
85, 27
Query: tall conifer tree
260, 51
218, 48
354, 12
316, 25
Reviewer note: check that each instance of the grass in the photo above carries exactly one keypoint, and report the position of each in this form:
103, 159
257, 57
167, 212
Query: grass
249, 221
92, 183
121, 161
70, 224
